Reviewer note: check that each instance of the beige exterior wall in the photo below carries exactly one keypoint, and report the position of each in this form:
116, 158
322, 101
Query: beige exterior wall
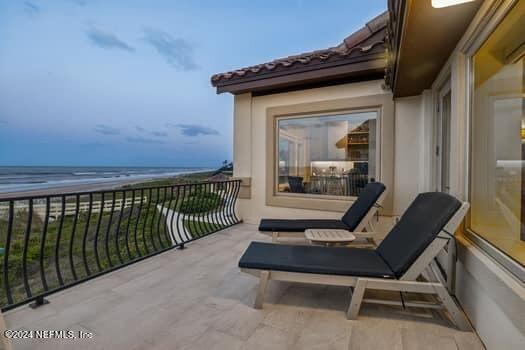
409, 164
407, 150
251, 138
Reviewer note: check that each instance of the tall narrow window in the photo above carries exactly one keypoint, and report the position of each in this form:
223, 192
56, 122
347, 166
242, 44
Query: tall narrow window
330, 155
498, 137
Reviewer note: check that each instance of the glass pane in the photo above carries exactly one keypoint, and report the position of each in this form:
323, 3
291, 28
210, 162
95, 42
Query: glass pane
327, 155
498, 138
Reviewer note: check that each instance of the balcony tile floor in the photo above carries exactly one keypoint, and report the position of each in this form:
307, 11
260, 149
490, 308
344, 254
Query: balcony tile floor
197, 298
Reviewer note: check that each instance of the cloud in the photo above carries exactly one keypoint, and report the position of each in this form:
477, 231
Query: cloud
176, 51
106, 130
30, 8
107, 40
152, 133
194, 130
140, 139
159, 133
3, 122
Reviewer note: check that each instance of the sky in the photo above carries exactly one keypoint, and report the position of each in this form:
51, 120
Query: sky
127, 83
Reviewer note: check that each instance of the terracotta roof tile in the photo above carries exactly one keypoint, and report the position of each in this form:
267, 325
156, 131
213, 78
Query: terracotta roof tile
369, 37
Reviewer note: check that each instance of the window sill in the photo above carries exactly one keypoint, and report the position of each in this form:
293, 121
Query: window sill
505, 261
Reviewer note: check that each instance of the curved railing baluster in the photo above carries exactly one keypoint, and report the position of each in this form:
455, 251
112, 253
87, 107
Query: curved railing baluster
57, 243
207, 204
227, 193
43, 245
26, 246
199, 198
72, 239
117, 233
137, 223
194, 200
216, 208
231, 190
184, 228
84, 239
165, 218
169, 219
146, 249
152, 225
211, 226
187, 219
222, 220
234, 201
126, 237
159, 220
231, 198
97, 230
201, 205
173, 216
108, 230
11, 214
222, 211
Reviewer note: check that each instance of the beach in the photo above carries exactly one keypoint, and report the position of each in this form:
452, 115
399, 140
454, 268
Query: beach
188, 176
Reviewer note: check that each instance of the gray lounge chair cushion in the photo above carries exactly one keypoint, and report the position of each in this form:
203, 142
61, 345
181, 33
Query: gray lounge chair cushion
284, 225
353, 216
315, 259
418, 227
362, 205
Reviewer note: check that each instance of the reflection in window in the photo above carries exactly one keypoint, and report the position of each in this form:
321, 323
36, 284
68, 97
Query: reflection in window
498, 137
327, 155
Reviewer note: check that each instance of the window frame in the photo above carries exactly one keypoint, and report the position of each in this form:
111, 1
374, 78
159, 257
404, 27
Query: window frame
473, 42
377, 174
384, 147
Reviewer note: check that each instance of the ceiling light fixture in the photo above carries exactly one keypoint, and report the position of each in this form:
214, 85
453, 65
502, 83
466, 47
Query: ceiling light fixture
446, 3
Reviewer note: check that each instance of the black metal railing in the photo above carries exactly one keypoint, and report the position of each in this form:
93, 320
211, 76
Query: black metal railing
52, 242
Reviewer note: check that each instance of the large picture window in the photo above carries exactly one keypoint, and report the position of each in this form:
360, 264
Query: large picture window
498, 137
328, 155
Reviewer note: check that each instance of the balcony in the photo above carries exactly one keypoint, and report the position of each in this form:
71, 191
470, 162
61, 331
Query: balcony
52, 242
197, 298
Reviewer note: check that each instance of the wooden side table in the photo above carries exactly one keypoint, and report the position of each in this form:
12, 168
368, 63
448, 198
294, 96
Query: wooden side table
329, 236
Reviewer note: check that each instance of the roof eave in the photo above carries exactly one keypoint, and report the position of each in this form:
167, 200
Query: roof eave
415, 26
366, 65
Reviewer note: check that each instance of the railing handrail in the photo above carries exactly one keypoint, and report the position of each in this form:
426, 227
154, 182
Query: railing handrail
144, 221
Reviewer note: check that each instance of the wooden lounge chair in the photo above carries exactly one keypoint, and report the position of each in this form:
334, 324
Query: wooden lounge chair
356, 219
408, 251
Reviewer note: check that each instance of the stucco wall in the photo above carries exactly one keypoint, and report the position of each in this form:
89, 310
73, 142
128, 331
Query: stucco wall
407, 148
493, 300
250, 143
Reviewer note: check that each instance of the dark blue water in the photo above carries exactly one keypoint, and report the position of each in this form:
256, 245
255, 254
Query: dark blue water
13, 178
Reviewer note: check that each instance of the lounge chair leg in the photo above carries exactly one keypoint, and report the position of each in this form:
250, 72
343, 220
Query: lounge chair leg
259, 299
275, 237
455, 312
357, 299
451, 266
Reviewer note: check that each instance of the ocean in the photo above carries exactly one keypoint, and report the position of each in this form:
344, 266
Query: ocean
26, 178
